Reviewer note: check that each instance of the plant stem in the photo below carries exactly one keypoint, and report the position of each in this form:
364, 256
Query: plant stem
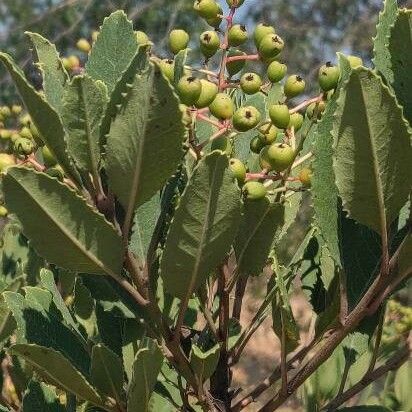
377, 344
239, 294
306, 103
245, 57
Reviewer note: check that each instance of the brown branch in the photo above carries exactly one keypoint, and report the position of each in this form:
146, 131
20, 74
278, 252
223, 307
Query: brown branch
239, 294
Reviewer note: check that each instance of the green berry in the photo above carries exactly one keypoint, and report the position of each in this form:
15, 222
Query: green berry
256, 145
305, 176
23, 146
84, 45
261, 31
206, 8
209, 43
223, 144
6, 161
234, 3
222, 106
238, 169
236, 66
5, 134
178, 40
280, 156
216, 20
207, 95
254, 191
296, 121
48, 158
189, 89
354, 61
328, 77
141, 37
276, 71
167, 67
294, 86
246, 118
313, 108
25, 120
5, 111
268, 133
237, 35
280, 116
250, 83
264, 160
270, 46
16, 109
3, 211
26, 133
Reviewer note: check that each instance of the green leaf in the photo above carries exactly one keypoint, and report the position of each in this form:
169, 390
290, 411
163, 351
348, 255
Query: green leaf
381, 52
324, 190
54, 74
113, 50
204, 363
179, 65
147, 365
400, 44
41, 397
43, 115
107, 372
204, 226
365, 408
373, 151
144, 224
144, 146
405, 257
78, 238
84, 104
257, 230
54, 367
403, 379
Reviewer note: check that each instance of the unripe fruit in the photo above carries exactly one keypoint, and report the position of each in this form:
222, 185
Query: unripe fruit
305, 176
23, 146
222, 143
276, 71
83, 45
142, 37
5, 111
178, 40
280, 156
6, 161
26, 133
234, 3
294, 86
354, 61
250, 83
222, 106
237, 35
14, 136
189, 89
264, 160
261, 31
235, 66
16, 109
73, 63
48, 158
256, 145
270, 46
209, 43
268, 133
328, 77
238, 169
217, 20
313, 108
246, 118
254, 191
296, 121
3, 211
207, 95
5, 134
25, 120
167, 67
280, 116
206, 8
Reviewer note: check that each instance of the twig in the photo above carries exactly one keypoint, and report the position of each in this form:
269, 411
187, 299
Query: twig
306, 103
239, 294
244, 57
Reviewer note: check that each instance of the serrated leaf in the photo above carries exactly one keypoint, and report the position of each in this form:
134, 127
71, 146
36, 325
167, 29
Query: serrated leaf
381, 52
43, 115
78, 238
144, 224
400, 45
402, 386
41, 397
113, 50
84, 104
107, 372
52, 69
54, 367
324, 190
144, 146
373, 151
146, 368
204, 226
204, 363
179, 65
257, 230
